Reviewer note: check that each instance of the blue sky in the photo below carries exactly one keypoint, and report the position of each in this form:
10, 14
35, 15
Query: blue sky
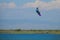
21, 14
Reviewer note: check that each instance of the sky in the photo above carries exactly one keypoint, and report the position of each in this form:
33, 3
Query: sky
21, 14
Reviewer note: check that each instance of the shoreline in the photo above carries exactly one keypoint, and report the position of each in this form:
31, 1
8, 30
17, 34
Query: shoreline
29, 31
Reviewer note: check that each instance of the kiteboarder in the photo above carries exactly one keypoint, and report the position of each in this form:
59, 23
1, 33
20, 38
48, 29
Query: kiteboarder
38, 12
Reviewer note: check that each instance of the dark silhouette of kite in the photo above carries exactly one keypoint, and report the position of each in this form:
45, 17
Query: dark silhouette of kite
38, 12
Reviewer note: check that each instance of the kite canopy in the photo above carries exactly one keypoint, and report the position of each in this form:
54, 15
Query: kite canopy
38, 12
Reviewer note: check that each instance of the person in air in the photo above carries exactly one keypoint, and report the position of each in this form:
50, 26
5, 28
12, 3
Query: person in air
38, 12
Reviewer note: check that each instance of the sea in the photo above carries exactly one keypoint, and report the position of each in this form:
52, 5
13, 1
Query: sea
29, 36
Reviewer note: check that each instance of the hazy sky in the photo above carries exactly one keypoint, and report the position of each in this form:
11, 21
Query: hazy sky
15, 14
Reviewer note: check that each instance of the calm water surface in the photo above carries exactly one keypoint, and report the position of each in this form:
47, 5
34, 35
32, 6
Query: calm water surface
29, 36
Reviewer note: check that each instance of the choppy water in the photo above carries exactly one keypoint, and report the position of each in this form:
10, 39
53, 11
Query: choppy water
29, 36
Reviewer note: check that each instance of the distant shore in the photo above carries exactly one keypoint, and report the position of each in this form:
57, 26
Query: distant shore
29, 31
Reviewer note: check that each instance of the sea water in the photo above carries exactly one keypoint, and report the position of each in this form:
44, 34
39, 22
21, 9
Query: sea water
29, 36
